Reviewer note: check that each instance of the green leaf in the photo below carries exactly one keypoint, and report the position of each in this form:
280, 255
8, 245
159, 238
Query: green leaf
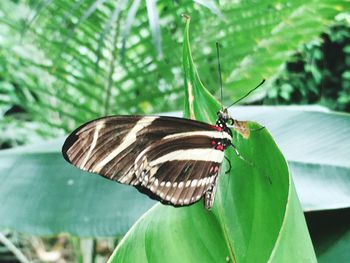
320, 172
153, 19
197, 92
41, 194
256, 216
316, 144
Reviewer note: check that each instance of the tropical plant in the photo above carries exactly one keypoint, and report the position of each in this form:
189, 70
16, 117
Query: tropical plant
319, 72
63, 63
91, 58
246, 199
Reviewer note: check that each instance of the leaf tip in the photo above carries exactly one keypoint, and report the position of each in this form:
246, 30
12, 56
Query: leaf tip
186, 16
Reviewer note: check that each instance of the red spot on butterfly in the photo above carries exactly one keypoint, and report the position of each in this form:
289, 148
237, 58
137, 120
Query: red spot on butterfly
220, 147
213, 142
217, 128
216, 169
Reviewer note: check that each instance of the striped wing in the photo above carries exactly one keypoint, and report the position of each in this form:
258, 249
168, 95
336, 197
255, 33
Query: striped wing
170, 159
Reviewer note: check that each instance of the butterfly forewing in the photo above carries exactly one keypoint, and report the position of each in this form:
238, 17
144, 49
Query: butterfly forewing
170, 159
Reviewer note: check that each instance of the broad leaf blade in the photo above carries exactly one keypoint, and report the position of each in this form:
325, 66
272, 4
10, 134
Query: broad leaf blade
320, 185
40, 193
317, 146
256, 215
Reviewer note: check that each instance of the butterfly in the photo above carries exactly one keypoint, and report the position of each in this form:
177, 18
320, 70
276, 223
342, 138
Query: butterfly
173, 160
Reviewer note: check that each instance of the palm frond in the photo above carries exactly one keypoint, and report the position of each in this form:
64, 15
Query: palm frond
103, 57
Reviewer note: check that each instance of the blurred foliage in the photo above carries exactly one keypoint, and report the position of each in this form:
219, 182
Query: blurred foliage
15, 131
65, 62
23, 248
18, 126
319, 73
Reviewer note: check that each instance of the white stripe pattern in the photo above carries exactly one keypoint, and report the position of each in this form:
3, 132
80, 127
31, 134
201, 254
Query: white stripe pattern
129, 139
93, 144
200, 154
211, 134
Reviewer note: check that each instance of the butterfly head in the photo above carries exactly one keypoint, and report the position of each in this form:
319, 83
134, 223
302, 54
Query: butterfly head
224, 119
223, 116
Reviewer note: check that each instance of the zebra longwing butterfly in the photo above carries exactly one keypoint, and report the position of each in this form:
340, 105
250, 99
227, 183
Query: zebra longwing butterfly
173, 160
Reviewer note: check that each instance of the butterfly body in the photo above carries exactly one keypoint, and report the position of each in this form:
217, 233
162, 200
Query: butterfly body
173, 160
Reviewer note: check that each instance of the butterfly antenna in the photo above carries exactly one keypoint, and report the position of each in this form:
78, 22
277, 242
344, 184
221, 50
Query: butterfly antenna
246, 95
219, 68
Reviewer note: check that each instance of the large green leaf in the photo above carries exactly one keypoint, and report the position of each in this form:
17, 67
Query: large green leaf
320, 172
40, 193
256, 216
316, 144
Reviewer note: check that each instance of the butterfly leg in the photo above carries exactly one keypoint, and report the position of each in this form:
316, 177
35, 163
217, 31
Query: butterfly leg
242, 158
239, 155
258, 129
209, 196
229, 163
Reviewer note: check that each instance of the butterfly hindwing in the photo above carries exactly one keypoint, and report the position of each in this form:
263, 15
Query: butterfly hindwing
178, 170
170, 159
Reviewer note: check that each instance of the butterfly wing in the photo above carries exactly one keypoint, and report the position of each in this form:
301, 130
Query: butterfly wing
170, 159
181, 183
178, 170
